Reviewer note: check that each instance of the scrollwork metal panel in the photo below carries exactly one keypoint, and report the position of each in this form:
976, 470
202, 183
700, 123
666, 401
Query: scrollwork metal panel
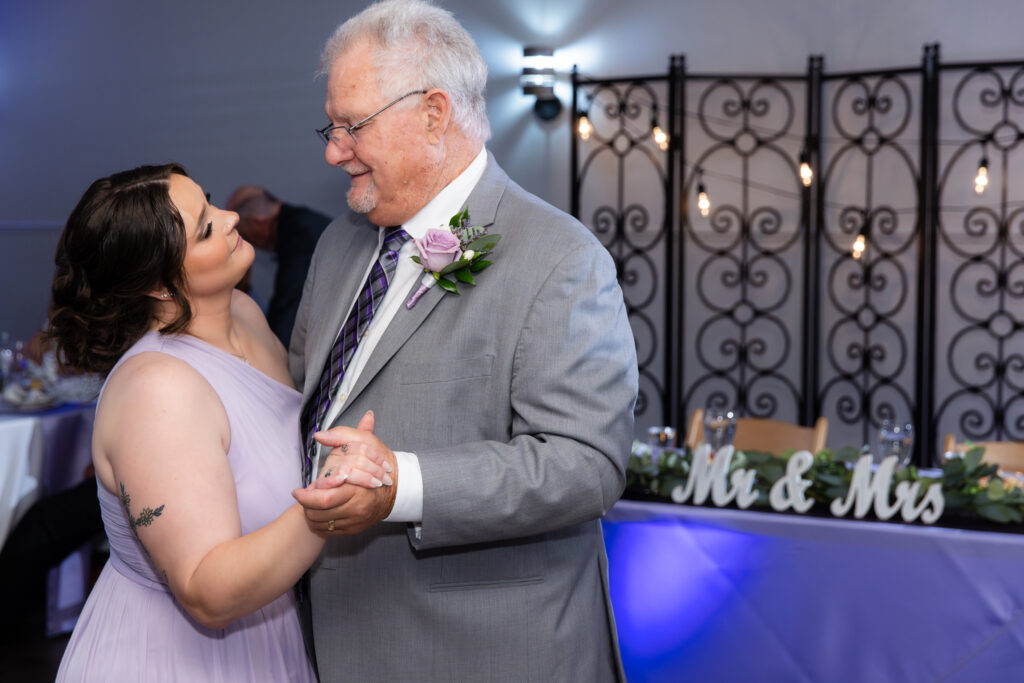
621, 195
765, 304
743, 273
868, 198
981, 255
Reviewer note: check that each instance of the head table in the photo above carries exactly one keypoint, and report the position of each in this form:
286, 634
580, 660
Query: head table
708, 594
42, 453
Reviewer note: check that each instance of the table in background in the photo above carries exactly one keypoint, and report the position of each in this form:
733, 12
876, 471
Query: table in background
705, 594
42, 453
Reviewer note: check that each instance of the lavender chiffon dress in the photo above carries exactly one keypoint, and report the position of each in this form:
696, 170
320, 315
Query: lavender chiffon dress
132, 628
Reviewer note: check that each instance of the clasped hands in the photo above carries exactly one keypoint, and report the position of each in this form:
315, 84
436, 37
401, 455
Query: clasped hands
354, 489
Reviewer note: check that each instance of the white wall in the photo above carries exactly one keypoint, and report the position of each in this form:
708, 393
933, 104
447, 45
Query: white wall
89, 87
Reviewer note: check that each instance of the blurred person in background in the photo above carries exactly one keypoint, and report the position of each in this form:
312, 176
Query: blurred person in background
286, 236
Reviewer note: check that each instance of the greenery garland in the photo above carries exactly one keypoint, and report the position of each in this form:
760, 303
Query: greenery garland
970, 486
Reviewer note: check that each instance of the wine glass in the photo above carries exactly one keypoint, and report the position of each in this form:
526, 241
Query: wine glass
6, 358
719, 426
896, 439
661, 437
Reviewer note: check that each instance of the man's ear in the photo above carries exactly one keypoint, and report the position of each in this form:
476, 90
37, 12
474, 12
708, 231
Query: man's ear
438, 112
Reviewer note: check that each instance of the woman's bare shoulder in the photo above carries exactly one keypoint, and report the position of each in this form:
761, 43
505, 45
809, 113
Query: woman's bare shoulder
152, 383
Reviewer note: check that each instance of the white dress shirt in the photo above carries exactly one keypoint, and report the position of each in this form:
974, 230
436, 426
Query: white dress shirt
436, 214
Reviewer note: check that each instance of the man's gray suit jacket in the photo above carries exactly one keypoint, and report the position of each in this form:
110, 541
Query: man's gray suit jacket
517, 396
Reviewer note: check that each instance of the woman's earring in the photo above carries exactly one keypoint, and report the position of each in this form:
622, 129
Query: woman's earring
164, 295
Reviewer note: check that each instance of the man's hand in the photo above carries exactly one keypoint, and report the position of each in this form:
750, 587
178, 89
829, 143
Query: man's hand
347, 508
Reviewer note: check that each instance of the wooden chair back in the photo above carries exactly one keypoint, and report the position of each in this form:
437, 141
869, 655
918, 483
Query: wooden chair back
762, 434
1009, 455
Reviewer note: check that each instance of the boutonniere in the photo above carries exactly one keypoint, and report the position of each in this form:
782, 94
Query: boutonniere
457, 251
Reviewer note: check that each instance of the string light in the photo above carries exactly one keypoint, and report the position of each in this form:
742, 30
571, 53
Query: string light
584, 127
585, 130
981, 180
859, 245
806, 174
660, 137
703, 203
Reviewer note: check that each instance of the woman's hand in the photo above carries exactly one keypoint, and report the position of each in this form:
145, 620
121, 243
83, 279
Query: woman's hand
354, 465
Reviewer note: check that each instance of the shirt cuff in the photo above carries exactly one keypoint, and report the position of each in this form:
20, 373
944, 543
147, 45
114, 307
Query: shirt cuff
409, 496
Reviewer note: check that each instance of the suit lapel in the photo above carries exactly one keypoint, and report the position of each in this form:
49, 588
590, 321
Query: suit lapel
483, 206
336, 298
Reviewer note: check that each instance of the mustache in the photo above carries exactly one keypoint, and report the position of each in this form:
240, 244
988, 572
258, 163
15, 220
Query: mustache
354, 169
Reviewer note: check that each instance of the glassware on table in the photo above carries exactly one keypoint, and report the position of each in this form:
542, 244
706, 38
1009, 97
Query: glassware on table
895, 439
661, 437
719, 427
6, 358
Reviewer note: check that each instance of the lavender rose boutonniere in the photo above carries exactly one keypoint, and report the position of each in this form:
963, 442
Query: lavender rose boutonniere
457, 251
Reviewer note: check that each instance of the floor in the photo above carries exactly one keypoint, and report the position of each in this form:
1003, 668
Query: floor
26, 654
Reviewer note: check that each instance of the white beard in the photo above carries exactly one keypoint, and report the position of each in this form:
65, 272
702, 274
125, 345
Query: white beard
362, 201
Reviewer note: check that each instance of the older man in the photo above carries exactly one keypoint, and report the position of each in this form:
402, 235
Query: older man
506, 410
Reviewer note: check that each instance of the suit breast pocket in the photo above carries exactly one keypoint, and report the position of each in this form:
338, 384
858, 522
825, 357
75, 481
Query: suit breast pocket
448, 402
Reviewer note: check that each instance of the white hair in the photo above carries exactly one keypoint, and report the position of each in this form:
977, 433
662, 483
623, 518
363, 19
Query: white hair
420, 46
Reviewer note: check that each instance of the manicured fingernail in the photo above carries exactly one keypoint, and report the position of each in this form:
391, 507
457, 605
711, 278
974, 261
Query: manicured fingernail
387, 467
387, 480
375, 482
341, 477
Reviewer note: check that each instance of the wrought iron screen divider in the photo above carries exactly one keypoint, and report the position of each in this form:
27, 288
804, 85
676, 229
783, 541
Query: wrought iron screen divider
765, 304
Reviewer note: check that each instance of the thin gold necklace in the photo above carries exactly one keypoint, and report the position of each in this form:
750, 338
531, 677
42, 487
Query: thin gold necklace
241, 356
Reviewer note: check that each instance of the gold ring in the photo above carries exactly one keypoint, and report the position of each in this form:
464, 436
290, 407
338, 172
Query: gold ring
330, 525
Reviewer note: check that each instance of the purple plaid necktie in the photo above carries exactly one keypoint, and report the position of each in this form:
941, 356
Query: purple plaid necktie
358, 320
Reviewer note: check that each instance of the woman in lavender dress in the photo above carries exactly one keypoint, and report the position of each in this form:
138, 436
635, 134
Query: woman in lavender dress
195, 445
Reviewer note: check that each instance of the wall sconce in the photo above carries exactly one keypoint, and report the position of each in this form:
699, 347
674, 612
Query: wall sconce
538, 78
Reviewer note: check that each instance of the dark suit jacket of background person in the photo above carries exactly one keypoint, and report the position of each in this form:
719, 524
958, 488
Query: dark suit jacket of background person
517, 397
298, 230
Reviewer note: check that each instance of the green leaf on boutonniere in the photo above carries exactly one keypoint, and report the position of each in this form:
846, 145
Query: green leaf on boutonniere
477, 266
464, 276
485, 243
416, 260
447, 285
459, 218
454, 266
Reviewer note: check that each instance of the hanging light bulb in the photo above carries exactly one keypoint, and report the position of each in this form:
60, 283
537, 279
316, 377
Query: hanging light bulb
806, 174
859, 245
703, 203
584, 128
981, 180
659, 135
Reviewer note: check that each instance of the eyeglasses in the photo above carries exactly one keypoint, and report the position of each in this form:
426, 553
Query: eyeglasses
327, 133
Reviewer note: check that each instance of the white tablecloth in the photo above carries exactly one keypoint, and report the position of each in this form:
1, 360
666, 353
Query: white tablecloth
21, 467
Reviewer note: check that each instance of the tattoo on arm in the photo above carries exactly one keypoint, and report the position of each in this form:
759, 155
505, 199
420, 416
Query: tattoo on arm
145, 518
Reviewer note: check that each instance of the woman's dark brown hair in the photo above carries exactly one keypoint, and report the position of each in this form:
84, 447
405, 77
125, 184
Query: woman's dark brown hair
124, 240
